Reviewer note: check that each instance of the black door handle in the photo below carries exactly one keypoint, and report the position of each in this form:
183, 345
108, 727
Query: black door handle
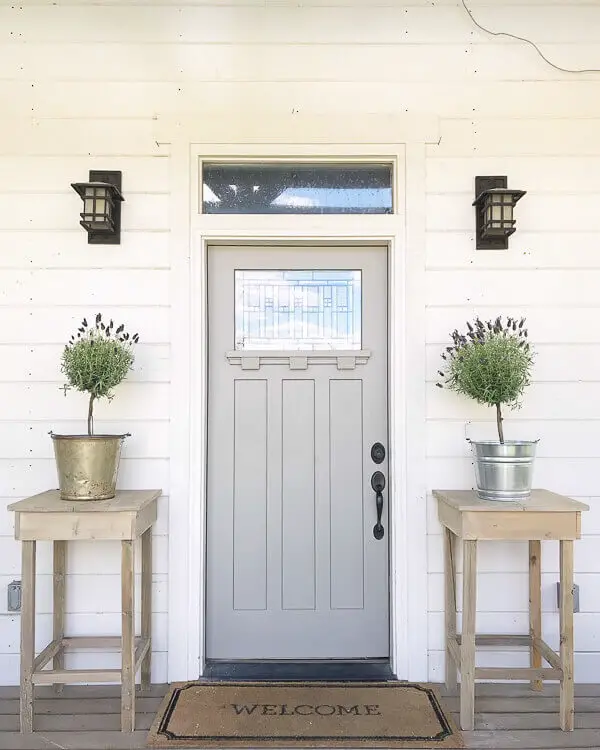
378, 485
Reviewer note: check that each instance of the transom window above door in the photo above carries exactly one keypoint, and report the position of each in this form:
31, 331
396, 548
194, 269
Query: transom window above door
311, 310
297, 188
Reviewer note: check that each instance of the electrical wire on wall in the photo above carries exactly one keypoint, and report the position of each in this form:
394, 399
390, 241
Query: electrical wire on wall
527, 41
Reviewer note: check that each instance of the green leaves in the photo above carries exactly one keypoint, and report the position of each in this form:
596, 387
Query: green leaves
98, 358
491, 363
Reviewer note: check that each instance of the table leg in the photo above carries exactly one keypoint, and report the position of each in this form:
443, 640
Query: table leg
58, 605
147, 605
535, 606
27, 633
467, 648
450, 604
567, 687
128, 637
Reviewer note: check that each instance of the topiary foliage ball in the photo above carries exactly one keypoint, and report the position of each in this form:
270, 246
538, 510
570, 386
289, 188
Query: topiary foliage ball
490, 363
97, 359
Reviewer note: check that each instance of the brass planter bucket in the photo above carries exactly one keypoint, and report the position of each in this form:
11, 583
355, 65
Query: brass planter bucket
87, 465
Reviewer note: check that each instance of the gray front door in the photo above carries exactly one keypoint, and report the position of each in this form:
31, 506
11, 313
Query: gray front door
297, 397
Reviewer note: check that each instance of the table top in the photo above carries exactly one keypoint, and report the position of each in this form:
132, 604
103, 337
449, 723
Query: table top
125, 501
539, 501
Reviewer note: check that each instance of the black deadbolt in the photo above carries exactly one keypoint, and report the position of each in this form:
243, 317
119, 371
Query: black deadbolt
378, 453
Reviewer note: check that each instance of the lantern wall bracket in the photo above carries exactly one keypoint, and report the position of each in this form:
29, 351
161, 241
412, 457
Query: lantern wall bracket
110, 237
482, 186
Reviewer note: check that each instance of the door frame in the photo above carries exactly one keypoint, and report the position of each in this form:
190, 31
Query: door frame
191, 234
202, 250
353, 665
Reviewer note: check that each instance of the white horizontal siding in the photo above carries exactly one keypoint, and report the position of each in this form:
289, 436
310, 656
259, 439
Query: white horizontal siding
549, 274
84, 557
547, 175
289, 23
512, 556
547, 324
503, 137
45, 401
528, 249
49, 211
238, 62
558, 438
543, 401
111, 138
51, 279
92, 287
41, 363
454, 99
82, 599
509, 593
505, 288
84, 623
560, 212
86, 86
308, 3
55, 322
24, 173
516, 623
62, 249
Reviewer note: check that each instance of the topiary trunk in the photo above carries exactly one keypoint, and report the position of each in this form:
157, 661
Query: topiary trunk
90, 419
499, 423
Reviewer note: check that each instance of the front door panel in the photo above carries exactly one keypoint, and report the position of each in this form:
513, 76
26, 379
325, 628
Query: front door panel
297, 399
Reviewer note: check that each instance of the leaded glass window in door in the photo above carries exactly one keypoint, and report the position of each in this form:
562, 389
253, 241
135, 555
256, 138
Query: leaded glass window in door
297, 310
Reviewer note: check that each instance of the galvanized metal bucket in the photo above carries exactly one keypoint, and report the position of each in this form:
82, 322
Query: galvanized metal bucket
504, 471
87, 465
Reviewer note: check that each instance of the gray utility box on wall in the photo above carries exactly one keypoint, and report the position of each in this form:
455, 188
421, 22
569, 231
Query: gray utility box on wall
13, 603
575, 596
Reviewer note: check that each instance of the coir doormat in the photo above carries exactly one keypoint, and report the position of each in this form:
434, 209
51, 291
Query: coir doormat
302, 714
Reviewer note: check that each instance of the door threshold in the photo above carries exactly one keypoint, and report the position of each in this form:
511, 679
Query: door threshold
302, 670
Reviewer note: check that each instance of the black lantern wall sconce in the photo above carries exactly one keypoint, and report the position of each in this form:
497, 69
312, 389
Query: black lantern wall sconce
494, 204
101, 215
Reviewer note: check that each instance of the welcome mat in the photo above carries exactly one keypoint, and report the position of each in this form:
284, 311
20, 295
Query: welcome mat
302, 714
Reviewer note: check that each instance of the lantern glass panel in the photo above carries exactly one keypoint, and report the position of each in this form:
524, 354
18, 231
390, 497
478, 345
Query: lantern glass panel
98, 208
498, 214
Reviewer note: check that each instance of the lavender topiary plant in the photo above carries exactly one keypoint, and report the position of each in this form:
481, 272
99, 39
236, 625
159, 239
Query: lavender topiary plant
490, 363
96, 359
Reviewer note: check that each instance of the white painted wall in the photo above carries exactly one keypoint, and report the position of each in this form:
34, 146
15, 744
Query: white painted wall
82, 87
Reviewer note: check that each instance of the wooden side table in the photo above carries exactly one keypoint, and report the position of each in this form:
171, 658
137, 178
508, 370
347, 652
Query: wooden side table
46, 517
545, 515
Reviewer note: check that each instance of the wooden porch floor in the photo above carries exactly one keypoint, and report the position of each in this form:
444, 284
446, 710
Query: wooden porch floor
507, 717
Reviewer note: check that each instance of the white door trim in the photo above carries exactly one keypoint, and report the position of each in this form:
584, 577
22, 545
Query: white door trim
404, 233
